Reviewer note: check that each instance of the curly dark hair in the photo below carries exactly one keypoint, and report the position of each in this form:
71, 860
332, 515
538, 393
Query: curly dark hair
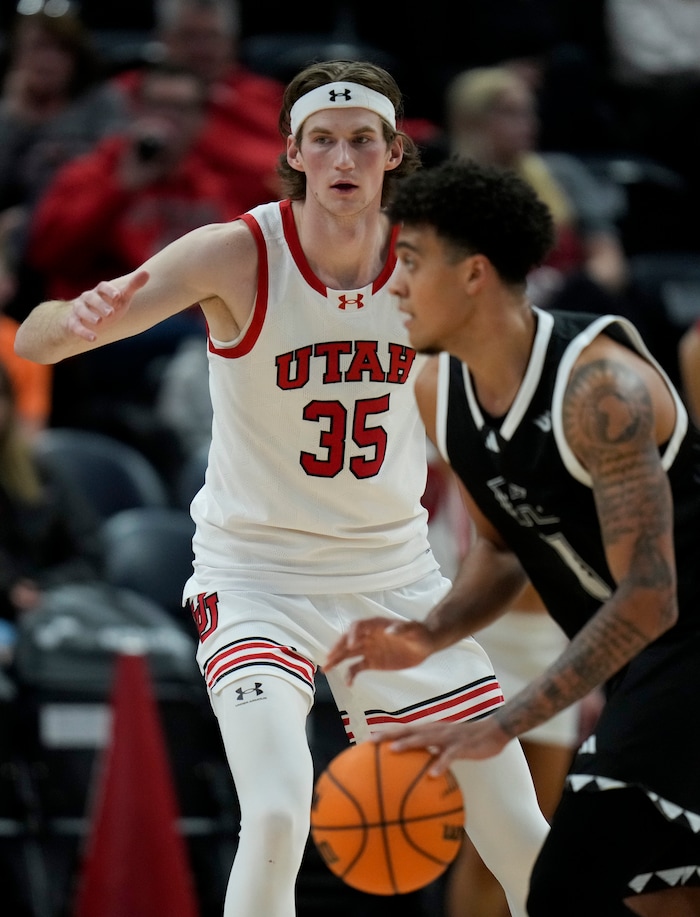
479, 209
367, 74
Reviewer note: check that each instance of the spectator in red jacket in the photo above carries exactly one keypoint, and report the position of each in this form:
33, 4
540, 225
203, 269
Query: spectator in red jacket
240, 136
137, 190
109, 210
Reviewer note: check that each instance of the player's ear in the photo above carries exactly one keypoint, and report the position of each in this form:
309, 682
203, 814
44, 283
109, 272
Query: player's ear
294, 153
475, 271
395, 153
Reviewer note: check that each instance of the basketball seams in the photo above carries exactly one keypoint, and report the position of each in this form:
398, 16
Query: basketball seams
381, 793
404, 820
450, 787
381, 823
390, 822
362, 823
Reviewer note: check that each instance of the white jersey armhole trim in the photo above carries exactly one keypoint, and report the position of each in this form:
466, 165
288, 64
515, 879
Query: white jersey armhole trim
572, 464
227, 345
441, 405
533, 374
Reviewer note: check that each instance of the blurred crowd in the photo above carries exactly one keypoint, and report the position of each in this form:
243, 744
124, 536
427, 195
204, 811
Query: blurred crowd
125, 126
124, 129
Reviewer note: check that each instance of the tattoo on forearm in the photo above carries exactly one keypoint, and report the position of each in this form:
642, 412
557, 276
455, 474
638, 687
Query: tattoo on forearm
609, 423
602, 647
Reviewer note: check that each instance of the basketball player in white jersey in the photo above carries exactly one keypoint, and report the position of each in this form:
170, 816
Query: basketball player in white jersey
310, 517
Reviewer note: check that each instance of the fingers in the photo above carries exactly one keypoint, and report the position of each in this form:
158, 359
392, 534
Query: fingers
107, 298
441, 764
349, 645
340, 653
427, 736
136, 281
337, 654
91, 308
112, 295
354, 670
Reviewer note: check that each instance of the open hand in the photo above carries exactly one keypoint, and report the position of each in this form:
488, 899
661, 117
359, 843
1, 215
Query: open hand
475, 739
379, 643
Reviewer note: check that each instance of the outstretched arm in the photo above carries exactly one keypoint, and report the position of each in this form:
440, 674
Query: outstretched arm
215, 266
55, 330
616, 411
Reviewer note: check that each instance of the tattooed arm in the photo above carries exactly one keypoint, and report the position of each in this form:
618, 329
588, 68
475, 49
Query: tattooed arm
617, 410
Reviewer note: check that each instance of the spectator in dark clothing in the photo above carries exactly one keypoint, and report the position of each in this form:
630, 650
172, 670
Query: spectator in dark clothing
48, 535
54, 106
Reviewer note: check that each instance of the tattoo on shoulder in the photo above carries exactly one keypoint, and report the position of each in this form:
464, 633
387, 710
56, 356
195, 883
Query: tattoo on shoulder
609, 423
606, 405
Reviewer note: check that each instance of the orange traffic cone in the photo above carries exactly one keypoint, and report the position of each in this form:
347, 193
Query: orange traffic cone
136, 862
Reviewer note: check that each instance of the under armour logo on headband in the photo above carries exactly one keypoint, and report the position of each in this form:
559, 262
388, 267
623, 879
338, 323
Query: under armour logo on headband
344, 95
335, 95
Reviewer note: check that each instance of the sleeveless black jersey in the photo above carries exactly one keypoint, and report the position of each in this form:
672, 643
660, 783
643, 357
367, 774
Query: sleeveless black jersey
527, 482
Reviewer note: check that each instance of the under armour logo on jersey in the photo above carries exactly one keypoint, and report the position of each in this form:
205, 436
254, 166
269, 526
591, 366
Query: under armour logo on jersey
241, 693
492, 442
345, 302
335, 95
544, 422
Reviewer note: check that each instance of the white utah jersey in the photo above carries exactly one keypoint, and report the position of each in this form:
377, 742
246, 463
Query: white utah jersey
318, 454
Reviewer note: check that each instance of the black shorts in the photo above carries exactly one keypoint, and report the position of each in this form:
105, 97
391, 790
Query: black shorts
605, 846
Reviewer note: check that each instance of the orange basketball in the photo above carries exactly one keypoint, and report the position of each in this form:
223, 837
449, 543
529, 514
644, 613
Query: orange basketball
382, 823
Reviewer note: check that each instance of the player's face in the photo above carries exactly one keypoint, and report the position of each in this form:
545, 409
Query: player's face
345, 156
430, 289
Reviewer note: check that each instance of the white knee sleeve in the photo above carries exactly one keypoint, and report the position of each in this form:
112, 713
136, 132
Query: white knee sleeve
263, 726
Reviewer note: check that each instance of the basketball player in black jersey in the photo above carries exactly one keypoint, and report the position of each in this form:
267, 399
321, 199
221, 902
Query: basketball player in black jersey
581, 471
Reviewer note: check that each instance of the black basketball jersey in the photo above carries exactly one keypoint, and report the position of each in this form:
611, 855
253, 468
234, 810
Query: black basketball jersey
527, 482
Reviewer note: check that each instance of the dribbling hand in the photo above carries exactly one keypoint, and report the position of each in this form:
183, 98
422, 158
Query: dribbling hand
448, 742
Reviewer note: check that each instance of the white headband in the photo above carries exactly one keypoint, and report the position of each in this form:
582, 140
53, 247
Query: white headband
343, 95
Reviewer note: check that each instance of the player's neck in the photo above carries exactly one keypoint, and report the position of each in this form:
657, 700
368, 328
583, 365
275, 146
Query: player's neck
344, 253
498, 359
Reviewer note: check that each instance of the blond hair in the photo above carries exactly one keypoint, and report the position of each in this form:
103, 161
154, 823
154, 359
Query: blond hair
470, 98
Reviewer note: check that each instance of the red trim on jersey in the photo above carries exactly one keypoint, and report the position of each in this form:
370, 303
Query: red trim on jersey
390, 264
247, 342
256, 652
292, 238
464, 705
